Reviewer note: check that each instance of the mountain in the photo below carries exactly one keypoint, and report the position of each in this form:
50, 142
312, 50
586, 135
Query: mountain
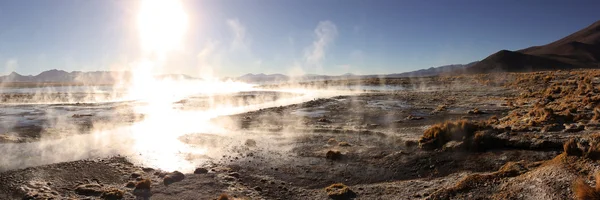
513, 61
269, 78
15, 77
96, 77
99, 77
60, 76
578, 50
54, 76
262, 78
434, 71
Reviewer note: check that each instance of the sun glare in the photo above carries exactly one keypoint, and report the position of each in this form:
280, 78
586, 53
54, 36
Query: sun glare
161, 25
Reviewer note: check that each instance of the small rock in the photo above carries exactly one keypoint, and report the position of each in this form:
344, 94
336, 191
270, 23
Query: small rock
200, 171
333, 155
343, 144
130, 184
136, 174
35, 195
81, 115
89, 190
160, 174
475, 111
324, 120
552, 128
143, 184
229, 178
143, 188
173, 177
410, 143
332, 141
411, 117
250, 143
371, 126
234, 174
453, 146
572, 128
147, 169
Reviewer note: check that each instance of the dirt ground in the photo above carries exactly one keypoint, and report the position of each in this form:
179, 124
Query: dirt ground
373, 143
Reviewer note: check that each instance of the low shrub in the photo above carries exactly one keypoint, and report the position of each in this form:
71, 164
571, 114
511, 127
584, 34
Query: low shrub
583, 191
439, 134
339, 191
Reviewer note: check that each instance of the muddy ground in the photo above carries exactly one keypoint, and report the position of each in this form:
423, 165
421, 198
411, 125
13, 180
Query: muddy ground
373, 144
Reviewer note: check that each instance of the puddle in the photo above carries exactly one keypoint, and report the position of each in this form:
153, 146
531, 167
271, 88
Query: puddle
386, 104
310, 113
366, 88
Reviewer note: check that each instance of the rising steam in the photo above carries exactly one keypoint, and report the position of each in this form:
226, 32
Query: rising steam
144, 116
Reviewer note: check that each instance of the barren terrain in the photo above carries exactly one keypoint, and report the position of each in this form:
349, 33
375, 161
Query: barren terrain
500, 136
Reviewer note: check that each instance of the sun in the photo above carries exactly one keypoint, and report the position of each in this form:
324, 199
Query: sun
161, 25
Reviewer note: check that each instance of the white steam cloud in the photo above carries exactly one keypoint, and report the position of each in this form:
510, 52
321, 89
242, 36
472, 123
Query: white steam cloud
10, 65
208, 60
240, 41
325, 33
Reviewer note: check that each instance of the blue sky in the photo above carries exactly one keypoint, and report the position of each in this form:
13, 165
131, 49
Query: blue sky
235, 37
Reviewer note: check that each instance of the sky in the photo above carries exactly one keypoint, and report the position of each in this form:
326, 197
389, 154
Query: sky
235, 37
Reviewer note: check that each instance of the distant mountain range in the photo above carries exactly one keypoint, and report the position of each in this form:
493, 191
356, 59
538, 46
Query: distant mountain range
109, 77
433, 71
60, 76
263, 78
97, 77
267, 78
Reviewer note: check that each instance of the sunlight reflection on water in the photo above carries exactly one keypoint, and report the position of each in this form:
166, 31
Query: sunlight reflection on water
152, 141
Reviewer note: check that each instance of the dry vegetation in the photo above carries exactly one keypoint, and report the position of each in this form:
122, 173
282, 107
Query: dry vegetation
223, 197
551, 101
113, 194
510, 169
474, 136
588, 147
560, 104
583, 191
339, 191
555, 98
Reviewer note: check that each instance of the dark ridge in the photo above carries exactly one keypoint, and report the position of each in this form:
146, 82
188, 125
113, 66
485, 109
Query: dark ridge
578, 50
511, 61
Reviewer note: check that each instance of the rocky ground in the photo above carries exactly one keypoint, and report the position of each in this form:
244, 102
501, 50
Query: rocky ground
501, 136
